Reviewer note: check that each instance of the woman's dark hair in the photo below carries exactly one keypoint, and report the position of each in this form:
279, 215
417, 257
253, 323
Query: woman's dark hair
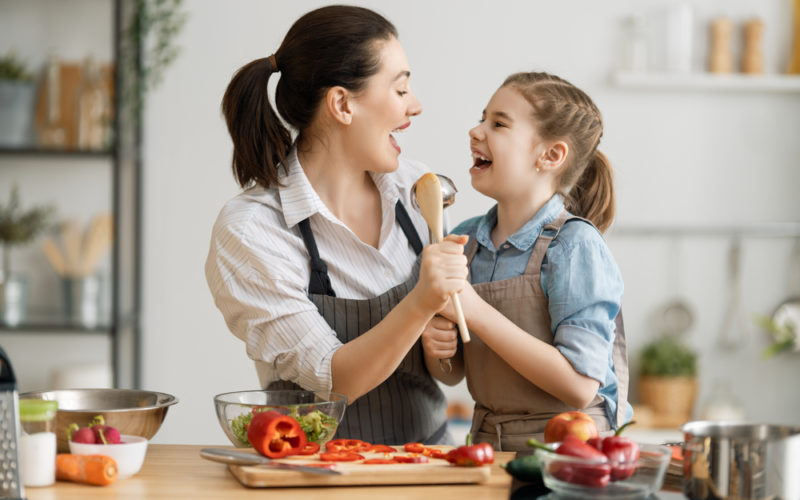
564, 112
327, 47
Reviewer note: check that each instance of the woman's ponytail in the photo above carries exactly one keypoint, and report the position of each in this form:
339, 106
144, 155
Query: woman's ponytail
260, 140
592, 196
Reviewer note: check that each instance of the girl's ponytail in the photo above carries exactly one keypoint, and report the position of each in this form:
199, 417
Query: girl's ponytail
592, 196
260, 140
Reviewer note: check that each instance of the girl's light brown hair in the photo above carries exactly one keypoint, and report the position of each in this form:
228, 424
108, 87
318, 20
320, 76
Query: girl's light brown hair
564, 112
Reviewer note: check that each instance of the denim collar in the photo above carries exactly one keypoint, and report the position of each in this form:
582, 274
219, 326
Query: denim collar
527, 234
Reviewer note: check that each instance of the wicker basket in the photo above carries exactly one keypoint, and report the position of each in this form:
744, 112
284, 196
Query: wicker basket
671, 398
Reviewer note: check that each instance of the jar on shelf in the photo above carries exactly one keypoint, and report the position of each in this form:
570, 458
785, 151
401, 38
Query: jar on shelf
721, 404
37, 444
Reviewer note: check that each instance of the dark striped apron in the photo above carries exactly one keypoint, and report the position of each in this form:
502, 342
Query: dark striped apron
510, 409
408, 406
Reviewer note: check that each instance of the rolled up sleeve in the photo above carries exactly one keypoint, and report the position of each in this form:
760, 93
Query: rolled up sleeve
260, 292
584, 289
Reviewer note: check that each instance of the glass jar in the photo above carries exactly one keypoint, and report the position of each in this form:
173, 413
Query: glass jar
37, 444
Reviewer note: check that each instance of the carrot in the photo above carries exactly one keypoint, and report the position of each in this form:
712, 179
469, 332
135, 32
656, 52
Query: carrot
98, 470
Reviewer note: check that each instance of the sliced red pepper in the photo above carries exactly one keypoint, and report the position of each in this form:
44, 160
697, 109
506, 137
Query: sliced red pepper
434, 453
354, 445
340, 456
411, 459
309, 449
414, 447
275, 435
471, 455
380, 461
382, 448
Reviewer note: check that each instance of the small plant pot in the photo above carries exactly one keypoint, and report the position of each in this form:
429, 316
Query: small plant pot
671, 398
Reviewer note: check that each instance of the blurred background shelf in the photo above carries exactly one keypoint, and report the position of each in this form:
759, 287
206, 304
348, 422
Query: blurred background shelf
707, 81
69, 42
55, 153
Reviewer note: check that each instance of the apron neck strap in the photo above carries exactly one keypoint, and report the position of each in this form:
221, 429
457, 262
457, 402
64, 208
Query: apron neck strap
319, 282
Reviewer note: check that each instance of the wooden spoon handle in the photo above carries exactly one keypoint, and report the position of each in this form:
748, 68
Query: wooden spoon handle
462, 323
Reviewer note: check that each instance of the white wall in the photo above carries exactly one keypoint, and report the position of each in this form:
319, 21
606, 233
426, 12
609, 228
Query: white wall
701, 157
681, 157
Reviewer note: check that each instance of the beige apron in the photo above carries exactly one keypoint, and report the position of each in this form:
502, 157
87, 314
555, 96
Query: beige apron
511, 409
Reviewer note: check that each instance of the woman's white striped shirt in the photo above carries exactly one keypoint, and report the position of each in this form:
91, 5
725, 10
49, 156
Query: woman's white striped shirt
258, 269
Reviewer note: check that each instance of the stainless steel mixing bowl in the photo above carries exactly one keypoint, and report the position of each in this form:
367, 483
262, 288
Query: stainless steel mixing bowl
131, 411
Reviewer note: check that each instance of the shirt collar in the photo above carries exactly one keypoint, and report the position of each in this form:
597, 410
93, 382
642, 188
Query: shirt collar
300, 201
298, 198
524, 238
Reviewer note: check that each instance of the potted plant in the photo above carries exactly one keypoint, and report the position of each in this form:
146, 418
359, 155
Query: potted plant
17, 93
17, 227
668, 380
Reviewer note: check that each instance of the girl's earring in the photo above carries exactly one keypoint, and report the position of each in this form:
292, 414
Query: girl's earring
538, 169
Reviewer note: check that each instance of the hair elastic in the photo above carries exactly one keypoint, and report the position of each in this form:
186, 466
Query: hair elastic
273, 63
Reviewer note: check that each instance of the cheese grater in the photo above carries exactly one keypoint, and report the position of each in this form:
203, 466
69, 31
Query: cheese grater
10, 478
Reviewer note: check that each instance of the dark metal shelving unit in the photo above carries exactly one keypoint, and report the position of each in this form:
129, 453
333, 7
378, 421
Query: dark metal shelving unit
125, 158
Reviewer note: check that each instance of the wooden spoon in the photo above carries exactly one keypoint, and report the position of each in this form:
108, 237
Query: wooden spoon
428, 193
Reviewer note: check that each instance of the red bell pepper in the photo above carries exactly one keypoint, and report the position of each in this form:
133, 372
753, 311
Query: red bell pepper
275, 435
620, 451
471, 455
595, 475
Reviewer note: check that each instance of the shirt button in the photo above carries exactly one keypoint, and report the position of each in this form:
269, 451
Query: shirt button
388, 273
506, 246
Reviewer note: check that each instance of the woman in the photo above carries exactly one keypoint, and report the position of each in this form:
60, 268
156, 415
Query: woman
312, 264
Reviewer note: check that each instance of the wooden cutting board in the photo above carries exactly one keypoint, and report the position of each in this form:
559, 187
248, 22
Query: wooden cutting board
436, 471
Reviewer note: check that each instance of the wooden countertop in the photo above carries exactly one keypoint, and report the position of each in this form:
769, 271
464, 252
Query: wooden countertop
178, 471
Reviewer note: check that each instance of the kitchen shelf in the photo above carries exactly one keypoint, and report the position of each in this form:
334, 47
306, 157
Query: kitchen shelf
121, 324
765, 230
74, 153
707, 81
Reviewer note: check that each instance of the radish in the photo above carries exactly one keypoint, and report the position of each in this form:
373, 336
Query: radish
104, 434
80, 434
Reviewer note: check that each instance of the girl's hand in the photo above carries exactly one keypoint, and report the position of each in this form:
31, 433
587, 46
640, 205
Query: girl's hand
470, 304
443, 271
439, 338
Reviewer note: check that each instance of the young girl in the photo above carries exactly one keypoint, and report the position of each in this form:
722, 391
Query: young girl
545, 302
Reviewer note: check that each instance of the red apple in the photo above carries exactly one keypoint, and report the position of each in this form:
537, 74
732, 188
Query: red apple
576, 423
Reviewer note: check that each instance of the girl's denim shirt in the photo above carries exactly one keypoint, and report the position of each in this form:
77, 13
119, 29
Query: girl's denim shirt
580, 279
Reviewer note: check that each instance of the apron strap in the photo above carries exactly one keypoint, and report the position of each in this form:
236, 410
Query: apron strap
320, 283
620, 357
407, 226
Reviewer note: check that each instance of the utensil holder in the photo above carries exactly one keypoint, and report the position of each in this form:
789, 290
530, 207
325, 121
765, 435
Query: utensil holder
82, 296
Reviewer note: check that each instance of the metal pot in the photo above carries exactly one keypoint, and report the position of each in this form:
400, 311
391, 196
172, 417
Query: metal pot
729, 460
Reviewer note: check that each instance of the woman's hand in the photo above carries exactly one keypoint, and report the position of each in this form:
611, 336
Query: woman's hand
439, 338
443, 271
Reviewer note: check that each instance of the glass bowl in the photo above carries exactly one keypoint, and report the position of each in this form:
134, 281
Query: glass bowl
319, 413
647, 477
129, 453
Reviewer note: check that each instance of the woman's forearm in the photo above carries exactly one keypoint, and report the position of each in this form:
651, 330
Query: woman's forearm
362, 364
539, 362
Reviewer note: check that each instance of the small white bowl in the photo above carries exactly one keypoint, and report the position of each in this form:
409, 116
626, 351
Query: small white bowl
129, 454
